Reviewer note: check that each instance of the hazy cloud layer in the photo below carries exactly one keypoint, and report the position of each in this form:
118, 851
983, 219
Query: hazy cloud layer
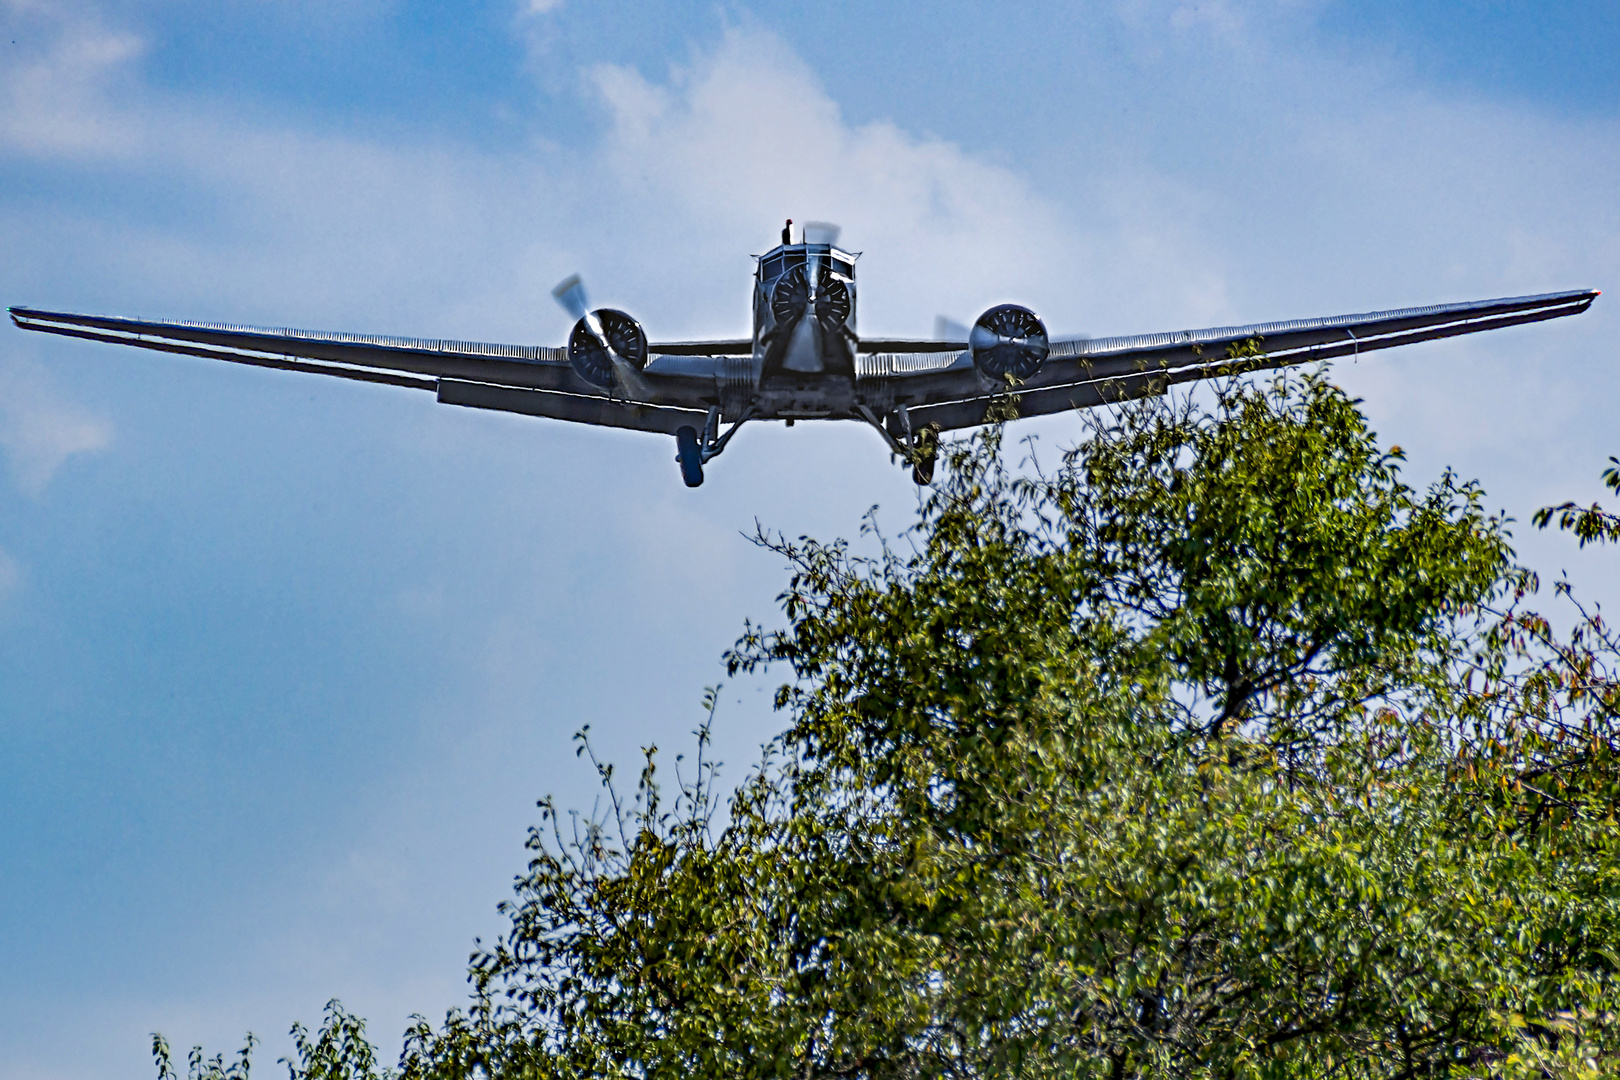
39, 429
745, 134
521, 578
55, 100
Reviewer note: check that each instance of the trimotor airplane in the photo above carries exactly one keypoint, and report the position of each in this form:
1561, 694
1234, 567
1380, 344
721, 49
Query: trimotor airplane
805, 360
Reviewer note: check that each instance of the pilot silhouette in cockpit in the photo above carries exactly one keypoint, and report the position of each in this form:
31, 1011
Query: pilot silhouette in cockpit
787, 232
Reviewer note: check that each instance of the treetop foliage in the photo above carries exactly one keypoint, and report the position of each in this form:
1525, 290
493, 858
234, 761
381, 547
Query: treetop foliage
1592, 524
1212, 750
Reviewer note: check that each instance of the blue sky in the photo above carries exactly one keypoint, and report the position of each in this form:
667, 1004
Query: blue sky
286, 663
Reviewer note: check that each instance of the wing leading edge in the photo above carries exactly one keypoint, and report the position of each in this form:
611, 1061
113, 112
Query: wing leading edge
1080, 374
531, 379
936, 381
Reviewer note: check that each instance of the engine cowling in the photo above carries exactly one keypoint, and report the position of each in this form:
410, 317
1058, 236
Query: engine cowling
790, 298
590, 357
1008, 340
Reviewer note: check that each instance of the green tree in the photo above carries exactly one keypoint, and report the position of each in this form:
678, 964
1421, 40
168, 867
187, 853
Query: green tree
1591, 524
1214, 750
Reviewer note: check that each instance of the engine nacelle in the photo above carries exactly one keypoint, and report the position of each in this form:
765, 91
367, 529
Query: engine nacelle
589, 355
1008, 340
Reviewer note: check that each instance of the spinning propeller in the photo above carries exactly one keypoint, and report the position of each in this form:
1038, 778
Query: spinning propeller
607, 347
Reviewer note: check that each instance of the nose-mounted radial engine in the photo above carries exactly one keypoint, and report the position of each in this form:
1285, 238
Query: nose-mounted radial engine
793, 298
804, 310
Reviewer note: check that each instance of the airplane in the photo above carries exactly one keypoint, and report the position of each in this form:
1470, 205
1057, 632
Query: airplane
805, 360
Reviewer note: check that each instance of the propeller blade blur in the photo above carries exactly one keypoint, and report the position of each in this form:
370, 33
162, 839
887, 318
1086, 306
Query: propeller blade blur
570, 293
821, 232
631, 381
982, 337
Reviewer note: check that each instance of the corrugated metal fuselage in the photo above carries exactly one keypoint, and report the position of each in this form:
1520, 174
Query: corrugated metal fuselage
805, 342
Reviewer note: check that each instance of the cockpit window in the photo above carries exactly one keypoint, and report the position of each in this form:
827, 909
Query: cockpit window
774, 266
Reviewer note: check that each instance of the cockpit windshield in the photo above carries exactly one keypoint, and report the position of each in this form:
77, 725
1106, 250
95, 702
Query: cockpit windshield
785, 258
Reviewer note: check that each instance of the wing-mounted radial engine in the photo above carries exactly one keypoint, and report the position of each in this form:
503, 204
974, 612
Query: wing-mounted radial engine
1008, 343
607, 348
594, 350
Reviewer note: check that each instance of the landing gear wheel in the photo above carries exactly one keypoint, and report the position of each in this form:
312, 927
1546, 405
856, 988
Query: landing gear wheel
690, 454
924, 453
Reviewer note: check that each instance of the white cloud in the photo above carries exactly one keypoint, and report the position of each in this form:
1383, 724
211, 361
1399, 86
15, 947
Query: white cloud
39, 430
1380, 197
55, 100
748, 129
745, 135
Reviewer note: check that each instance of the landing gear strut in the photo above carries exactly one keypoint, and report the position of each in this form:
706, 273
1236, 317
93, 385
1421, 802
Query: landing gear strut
692, 449
918, 448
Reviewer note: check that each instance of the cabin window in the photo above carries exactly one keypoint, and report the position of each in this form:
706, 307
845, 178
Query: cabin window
841, 267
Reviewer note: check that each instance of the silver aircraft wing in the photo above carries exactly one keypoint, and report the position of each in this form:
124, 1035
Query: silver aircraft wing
530, 379
946, 390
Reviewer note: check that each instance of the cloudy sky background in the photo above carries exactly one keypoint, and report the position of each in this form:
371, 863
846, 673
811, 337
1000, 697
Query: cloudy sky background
286, 661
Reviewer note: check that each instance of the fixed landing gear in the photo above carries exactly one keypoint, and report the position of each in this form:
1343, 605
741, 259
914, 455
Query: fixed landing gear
918, 448
922, 471
689, 453
924, 454
693, 450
